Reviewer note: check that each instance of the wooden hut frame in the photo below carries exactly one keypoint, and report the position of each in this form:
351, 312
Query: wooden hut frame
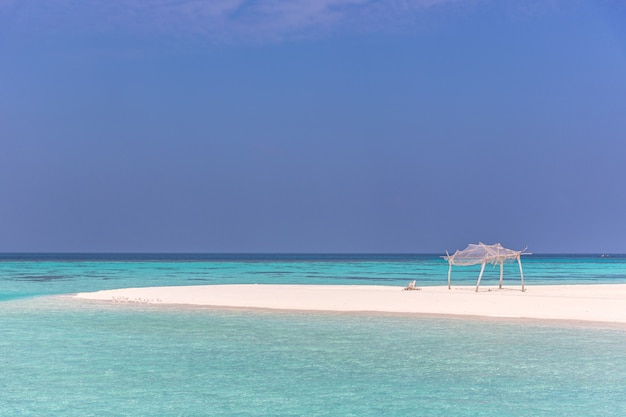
484, 254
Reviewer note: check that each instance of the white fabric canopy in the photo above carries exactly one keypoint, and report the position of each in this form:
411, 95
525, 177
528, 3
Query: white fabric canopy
484, 254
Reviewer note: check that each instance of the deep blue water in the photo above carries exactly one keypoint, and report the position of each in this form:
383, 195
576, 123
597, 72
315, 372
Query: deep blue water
65, 357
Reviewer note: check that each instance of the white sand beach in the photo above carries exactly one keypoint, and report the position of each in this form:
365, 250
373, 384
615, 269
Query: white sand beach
596, 303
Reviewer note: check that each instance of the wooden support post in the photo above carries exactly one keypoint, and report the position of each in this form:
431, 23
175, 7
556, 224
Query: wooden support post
501, 273
482, 269
521, 272
449, 272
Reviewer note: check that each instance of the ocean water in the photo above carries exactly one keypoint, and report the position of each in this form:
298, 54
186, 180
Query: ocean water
65, 357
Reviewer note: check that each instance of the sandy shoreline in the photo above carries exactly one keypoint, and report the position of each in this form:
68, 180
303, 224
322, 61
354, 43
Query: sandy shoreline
595, 303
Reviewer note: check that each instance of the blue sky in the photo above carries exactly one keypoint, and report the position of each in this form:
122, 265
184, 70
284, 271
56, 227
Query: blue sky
312, 126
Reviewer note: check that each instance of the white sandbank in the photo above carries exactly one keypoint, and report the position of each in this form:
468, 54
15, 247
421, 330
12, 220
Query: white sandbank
596, 303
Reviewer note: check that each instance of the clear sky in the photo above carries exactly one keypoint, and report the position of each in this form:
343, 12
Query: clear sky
312, 125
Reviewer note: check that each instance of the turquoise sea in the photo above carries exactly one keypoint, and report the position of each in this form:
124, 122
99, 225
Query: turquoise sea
65, 357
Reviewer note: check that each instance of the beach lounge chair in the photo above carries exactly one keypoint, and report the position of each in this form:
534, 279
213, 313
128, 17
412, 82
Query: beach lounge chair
411, 286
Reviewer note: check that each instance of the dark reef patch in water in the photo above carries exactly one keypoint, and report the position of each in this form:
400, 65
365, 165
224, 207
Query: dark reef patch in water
42, 278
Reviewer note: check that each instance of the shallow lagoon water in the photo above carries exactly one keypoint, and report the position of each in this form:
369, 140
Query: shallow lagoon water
62, 356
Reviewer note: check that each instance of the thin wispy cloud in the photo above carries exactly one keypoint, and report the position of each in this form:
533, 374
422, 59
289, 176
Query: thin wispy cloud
216, 19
